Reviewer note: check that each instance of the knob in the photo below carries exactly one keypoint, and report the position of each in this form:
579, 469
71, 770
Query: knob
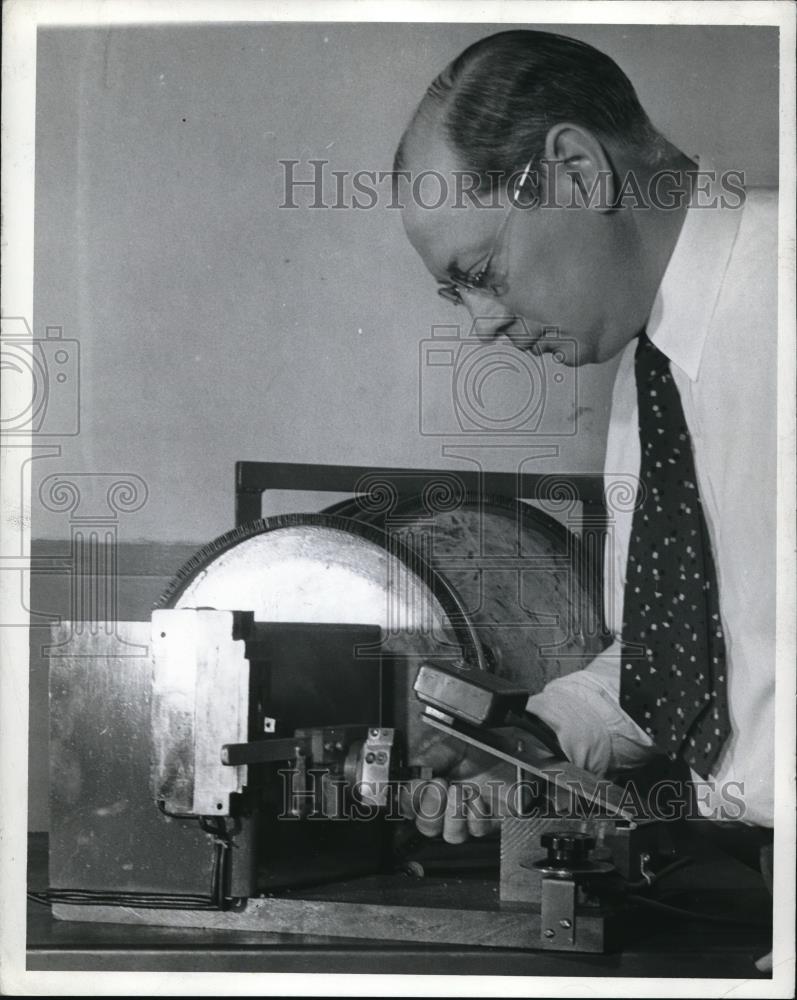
567, 850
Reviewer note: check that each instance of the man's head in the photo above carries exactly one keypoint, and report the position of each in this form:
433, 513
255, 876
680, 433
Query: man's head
540, 119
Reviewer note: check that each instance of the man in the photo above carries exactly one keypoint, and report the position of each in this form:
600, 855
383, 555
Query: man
625, 245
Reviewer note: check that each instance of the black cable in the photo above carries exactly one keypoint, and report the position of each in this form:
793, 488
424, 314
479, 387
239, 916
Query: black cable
222, 835
662, 907
677, 911
214, 826
151, 901
657, 876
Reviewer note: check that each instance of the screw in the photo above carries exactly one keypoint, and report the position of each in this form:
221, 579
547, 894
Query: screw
549, 933
381, 757
520, 746
328, 747
567, 924
373, 732
370, 758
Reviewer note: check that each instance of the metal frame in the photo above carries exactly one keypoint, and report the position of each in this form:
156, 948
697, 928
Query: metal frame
253, 479
563, 490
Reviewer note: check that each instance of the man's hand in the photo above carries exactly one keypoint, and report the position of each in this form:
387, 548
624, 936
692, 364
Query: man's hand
466, 797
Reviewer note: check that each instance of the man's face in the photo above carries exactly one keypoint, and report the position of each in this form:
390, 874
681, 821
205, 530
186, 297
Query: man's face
560, 268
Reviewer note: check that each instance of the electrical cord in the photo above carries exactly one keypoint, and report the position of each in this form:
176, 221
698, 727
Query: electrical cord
677, 911
223, 843
657, 876
627, 893
140, 900
218, 899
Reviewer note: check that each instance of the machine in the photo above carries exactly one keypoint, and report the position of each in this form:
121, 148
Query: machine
243, 759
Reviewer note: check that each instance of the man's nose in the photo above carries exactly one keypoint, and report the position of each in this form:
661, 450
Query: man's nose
489, 320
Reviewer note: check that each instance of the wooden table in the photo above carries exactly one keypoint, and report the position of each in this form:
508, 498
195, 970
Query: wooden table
663, 946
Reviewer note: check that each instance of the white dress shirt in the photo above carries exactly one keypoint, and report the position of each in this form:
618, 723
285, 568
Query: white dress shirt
715, 318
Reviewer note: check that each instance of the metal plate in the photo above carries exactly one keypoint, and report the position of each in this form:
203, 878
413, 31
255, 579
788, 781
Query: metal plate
105, 832
523, 578
200, 700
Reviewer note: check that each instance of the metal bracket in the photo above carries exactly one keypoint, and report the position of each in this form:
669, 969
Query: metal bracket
376, 760
558, 913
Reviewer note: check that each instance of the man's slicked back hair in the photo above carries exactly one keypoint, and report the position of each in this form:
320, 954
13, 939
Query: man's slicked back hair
498, 99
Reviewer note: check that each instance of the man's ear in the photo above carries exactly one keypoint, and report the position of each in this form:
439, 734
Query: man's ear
579, 172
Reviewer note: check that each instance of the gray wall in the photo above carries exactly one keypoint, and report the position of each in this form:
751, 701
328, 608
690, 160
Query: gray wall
214, 326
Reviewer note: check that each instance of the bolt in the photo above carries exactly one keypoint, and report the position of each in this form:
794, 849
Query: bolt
567, 924
373, 732
381, 757
549, 933
370, 758
328, 747
338, 745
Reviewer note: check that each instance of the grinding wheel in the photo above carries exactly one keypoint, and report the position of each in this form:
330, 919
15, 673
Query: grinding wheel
519, 573
320, 568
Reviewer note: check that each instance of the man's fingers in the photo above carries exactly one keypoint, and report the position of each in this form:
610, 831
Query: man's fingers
479, 817
468, 814
764, 964
429, 800
407, 791
455, 822
440, 753
474, 764
458, 810
425, 800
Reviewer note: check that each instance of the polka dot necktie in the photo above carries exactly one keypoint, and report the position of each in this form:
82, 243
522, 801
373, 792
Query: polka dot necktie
673, 651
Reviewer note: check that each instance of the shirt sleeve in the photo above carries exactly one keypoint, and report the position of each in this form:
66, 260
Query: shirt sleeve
583, 709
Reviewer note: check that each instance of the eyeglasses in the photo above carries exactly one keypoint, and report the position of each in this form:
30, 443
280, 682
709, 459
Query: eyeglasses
483, 281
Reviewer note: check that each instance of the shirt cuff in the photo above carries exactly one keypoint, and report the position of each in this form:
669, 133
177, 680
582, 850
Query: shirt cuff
580, 730
583, 710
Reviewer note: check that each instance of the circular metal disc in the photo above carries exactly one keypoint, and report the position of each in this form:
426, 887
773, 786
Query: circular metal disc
519, 573
314, 568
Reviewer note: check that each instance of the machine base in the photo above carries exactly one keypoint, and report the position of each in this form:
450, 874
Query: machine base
386, 908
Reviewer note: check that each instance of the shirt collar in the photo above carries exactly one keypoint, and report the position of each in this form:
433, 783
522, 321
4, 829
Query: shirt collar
684, 305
